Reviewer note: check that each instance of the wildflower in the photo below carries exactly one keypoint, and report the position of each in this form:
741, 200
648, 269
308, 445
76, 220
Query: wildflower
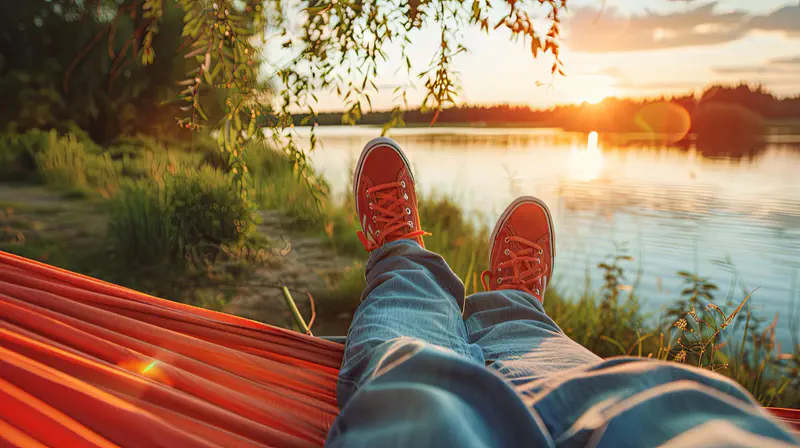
681, 356
681, 323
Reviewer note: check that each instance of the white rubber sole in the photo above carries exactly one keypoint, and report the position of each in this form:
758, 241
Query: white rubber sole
368, 148
510, 209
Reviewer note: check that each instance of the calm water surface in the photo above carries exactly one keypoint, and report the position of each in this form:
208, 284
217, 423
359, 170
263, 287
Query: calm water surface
672, 208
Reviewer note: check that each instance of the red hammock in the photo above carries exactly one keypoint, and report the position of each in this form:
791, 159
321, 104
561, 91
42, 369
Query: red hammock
88, 363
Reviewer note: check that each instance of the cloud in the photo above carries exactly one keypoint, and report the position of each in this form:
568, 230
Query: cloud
611, 30
789, 60
780, 85
669, 86
767, 69
786, 19
608, 72
787, 65
611, 72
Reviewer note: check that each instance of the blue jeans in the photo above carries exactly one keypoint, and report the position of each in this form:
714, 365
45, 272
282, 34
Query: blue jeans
418, 374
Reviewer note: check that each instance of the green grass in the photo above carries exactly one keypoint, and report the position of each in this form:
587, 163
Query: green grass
184, 217
280, 185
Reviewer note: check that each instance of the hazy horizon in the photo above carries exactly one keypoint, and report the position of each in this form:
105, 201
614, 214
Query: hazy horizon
695, 93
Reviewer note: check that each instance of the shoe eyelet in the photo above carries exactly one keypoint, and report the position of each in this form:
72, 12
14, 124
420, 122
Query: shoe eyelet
370, 206
374, 219
499, 280
367, 194
538, 260
506, 240
537, 291
377, 232
408, 211
403, 183
410, 224
405, 196
499, 270
506, 251
541, 251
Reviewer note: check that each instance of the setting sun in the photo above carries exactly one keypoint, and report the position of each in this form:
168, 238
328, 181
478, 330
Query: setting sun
590, 89
596, 99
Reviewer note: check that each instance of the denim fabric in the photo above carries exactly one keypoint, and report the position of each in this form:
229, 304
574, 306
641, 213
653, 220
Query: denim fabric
415, 375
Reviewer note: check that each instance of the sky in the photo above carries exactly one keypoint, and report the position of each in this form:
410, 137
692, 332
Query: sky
628, 48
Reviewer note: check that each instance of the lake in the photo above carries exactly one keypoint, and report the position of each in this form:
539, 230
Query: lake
672, 208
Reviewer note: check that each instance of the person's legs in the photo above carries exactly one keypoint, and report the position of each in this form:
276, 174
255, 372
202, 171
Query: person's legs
411, 296
518, 339
409, 377
580, 399
508, 321
411, 293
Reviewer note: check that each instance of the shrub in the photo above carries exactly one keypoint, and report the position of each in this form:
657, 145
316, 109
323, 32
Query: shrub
65, 163
17, 152
141, 143
207, 211
147, 157
133, 147
280, 185
187, 217
62, 163
139, 224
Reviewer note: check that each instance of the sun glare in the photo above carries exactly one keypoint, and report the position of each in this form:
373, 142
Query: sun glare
586, 164
591, 89
596, 99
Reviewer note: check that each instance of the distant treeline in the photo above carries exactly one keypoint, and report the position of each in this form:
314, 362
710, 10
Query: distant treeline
664, 114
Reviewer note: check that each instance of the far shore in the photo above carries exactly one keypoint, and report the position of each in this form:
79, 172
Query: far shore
771, 127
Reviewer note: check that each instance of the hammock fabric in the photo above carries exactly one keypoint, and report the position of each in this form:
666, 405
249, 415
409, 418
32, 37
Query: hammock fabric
88, 363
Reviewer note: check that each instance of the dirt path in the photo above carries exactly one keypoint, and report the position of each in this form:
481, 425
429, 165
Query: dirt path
304, 269
34, 216
38, 222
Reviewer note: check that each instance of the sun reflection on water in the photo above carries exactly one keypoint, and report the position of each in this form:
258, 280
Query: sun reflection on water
586, 164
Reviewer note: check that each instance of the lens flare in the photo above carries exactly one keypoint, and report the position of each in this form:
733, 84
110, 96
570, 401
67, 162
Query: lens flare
153, 370
669, 120
152, 364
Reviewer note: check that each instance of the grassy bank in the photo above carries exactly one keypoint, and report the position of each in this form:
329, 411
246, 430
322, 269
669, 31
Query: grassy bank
169, 221
175, 226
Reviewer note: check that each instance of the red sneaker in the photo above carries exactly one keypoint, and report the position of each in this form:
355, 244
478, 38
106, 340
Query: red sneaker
523, 249
386, 200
